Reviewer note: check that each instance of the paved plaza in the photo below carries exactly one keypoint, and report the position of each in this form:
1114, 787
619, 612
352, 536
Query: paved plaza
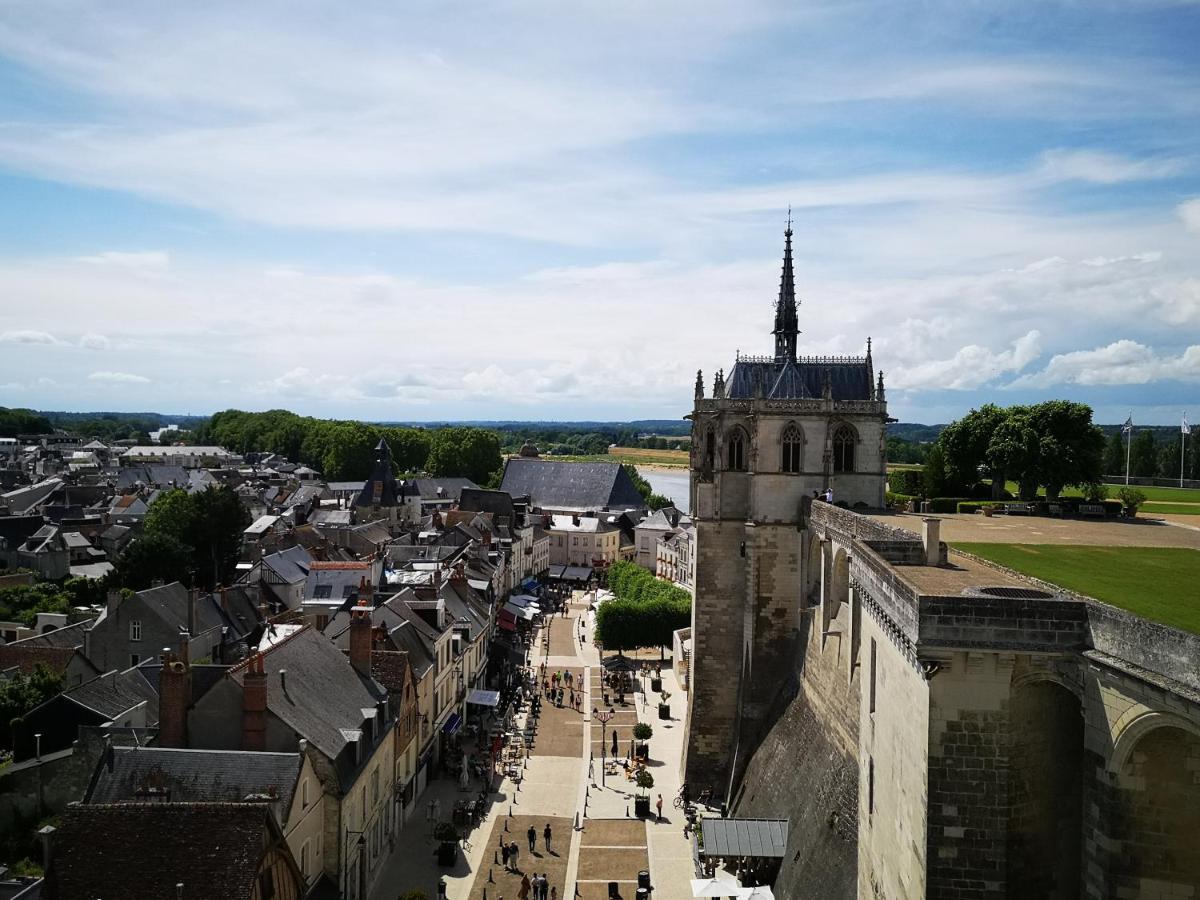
611, 845
1143, 531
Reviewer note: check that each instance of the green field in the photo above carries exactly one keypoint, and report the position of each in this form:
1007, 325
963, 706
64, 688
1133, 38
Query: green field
1176, 509
1160, 583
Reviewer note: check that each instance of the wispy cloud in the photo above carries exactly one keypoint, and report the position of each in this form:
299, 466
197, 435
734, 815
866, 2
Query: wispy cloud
27, 336
118, 378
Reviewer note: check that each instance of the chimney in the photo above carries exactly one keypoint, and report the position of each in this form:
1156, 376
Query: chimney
112, 599
360, 638
46, 833
575, 519
437, 577
174, 698
225, 599
254, 705
931, 540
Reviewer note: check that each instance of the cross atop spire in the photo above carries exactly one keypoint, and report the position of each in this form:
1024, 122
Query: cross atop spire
786, 320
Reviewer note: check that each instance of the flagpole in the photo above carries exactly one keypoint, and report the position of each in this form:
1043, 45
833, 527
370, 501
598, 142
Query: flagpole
1184, 430
1128, 445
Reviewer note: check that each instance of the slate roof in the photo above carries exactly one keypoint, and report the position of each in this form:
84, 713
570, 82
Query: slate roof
291, 565
451, 488
222, 776
552, 484
16, 530
324, 696
114, 693
498, 503
112, 851
24, 498
849, 379
67, 637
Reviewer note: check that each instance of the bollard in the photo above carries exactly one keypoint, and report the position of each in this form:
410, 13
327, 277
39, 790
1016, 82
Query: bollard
496, 856
577, 821
506, 821
627, 810
490, 879
510, 808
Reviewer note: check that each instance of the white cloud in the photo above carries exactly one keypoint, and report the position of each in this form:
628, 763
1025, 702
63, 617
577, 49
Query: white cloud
971, 367
148, 259
1121, 362
118, 378
1189, 211
1104, 168
94, 342
27, 336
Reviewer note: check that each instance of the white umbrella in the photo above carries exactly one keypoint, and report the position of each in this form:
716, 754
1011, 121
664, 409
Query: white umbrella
714, 887
755, 893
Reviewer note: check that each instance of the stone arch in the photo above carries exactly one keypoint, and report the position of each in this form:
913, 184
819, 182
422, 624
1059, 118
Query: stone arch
791, 449
1045, 788
1156, 813
1134, 725
844, 446
812, 569
737, 449
839, 586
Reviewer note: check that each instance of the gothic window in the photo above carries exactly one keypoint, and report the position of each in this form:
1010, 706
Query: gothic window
735, 460
710, 450
843, 449
791, 449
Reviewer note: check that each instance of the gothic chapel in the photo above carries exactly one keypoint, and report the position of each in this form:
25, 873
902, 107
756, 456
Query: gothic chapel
776, 429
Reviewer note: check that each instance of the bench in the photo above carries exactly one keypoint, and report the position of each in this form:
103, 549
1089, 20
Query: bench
1019, 509
1055, 509
1091, 509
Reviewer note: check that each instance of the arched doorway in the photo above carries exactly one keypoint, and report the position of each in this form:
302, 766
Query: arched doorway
1045, 791
1158, 813
839, 592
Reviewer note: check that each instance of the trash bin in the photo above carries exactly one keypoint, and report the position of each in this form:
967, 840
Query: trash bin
643, 893
644, 880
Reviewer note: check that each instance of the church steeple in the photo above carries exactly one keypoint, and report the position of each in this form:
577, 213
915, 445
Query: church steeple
786, 319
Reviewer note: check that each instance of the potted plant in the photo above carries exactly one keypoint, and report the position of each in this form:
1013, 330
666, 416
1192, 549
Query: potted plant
447, 835
641, 803
656, 681
642, 731
664, 711
1131, 498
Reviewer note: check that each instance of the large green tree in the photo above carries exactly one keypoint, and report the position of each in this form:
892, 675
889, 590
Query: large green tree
154, 557
1114, 455
1070, 448
470, 452
965, 445
21, 693
1143, 455
208, 524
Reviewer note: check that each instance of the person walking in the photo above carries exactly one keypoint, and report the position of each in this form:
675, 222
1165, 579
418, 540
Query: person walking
532, 835
554, 893
505, 855
526, 886
546, 834
544, 887
659, 804
516, 857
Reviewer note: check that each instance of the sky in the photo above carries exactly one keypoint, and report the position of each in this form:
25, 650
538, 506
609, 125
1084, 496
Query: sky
534, 210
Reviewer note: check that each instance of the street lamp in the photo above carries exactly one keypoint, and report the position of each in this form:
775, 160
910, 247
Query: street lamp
603, 718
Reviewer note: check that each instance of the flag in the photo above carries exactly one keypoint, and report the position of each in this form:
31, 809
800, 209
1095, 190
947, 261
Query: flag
1185, 427
1128, 426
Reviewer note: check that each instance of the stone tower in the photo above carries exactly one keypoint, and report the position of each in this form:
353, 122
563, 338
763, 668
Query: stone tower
775, 430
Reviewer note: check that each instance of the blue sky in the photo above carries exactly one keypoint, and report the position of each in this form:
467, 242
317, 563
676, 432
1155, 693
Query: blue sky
525, 210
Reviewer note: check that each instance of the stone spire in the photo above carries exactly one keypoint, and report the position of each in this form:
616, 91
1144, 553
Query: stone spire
786, 319
879, 388
699, 385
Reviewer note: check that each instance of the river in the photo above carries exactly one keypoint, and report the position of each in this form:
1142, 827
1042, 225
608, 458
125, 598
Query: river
672, 483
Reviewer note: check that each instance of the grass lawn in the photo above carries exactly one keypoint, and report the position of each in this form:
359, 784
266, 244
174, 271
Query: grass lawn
1177, 509
1158, 494
1160, 583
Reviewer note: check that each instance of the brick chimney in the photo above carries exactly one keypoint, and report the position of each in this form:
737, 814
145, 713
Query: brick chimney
174, 698
254, 705
360, 634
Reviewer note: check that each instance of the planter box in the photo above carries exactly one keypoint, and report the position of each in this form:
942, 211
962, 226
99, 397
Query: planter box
641, 807
447, 853
664, 711
656, 684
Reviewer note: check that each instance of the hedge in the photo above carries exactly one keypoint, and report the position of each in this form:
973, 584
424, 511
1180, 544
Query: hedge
898, 499
946, 504
1070, 505
906, 481
647, 611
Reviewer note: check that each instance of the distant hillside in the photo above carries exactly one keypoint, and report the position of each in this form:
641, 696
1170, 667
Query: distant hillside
914, 433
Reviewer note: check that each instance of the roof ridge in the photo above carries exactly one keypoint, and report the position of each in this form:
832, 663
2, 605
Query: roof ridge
275, 645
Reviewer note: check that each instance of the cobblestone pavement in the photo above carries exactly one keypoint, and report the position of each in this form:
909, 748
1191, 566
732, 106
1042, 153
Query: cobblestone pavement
611, 845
